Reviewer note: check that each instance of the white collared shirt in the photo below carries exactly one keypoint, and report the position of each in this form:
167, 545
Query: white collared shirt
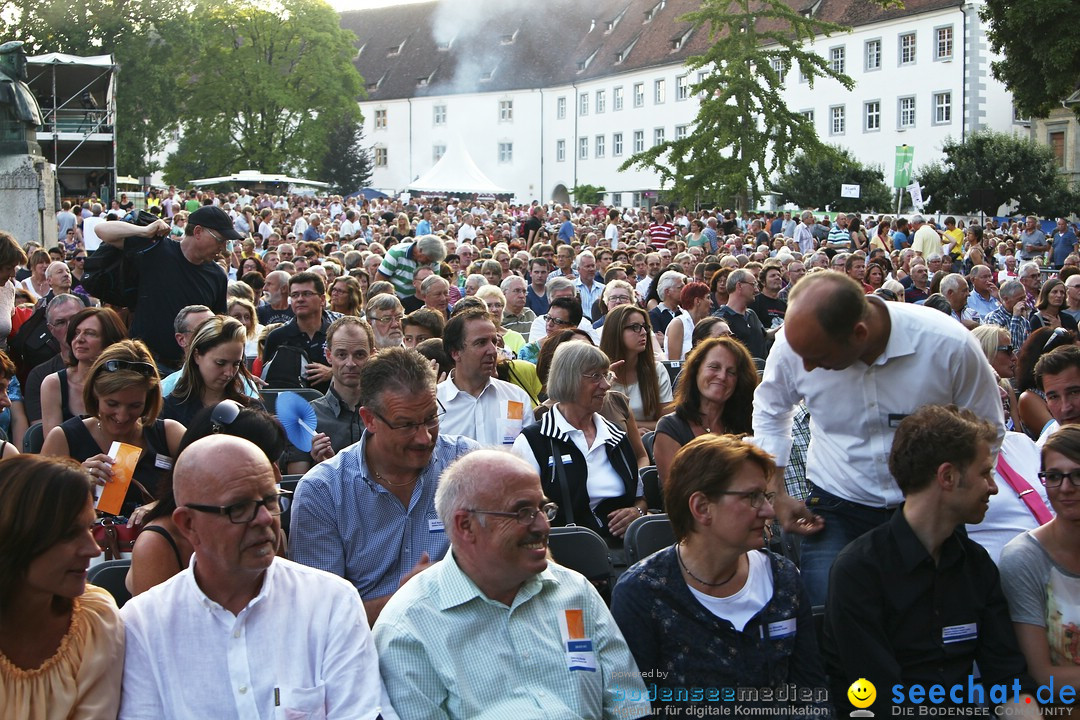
854, 412
301, 645
494, 418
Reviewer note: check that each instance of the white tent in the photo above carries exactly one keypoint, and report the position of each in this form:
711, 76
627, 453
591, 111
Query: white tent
254, 176
456, 173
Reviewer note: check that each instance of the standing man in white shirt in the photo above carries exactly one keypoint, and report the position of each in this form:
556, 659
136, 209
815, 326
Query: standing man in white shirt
209, 642
588, 290
478, 405
861, 365
611, 232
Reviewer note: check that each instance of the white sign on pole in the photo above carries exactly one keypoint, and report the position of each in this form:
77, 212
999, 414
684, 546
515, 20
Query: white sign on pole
850, 191
916, 195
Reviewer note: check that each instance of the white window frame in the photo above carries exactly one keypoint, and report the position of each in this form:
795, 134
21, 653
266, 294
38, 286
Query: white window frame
437, 151
639, 141
659, 91
682, 88
380, 119
599, 149
600, 102
639, 94
872, 55
560, 108
506, 152
838, 58
616, 144
938, 106
583, 148
506, 111
617, 98
837, 120
560, 151
900, 48
939, 31
872, 114
438, 115
583, 104
381, 157
658, 136
906, 117
808, 114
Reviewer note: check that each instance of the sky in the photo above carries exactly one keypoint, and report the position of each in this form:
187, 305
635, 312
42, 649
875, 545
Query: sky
341, 5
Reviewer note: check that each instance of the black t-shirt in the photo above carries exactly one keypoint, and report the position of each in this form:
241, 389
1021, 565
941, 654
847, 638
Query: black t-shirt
269, 316
532, 226
769, 311
291, 335
168, 283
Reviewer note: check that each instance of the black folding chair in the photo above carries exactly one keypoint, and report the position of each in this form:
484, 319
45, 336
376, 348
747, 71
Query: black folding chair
647, 535
581, 549
33, 439
269, 396
111, 575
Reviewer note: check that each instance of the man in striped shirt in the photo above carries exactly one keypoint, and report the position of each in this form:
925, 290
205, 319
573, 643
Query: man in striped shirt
402, 260
661, 229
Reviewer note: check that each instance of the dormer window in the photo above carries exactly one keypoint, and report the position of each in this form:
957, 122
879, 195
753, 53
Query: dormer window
395, 50
508, 39
583, 64
679, 42
625, 52
651, 13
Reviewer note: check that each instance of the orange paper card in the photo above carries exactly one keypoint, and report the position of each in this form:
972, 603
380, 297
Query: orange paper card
125, 457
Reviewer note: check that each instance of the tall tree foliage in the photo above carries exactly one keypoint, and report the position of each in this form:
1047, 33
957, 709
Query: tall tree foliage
1041, 64
813, 179
137, 33
275, 77
743, 129
346, 163
990, 169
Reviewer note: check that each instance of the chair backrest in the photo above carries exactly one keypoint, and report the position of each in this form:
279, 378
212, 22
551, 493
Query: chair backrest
648, 440
110, 575
581, 549
269, 396
288, 482
33, 439
650, 480
647, 535
674, 367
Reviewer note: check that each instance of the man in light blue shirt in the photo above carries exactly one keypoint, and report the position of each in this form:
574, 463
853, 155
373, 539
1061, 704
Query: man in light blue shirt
493, 631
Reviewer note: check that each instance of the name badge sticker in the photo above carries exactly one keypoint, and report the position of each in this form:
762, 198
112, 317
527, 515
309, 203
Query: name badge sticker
566, 460
781, 628
579, 649
163, 462
895, 419
959, 633
435, 525
515, 412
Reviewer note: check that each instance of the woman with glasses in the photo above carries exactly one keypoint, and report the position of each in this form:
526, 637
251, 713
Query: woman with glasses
716, 609
1040, 570
644, 379
347, 296
1048, 310
696, 304
563, 314
996, 344
719, 400
123, 401
61, 640
89, 332
586, 463
161, 550
214, 370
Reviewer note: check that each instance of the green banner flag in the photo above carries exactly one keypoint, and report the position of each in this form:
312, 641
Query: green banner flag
905, 154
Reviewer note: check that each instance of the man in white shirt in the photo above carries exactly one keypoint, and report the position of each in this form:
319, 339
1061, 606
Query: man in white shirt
558, 287
241, 632
478, 405
90, 239
466, 232
861, 365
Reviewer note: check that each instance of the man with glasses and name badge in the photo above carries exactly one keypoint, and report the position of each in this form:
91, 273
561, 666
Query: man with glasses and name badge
742, 288
224, 619
306, 332
173, 275
368, 513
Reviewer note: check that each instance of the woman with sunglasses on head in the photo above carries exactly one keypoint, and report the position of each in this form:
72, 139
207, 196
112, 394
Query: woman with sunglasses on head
717, 609
1048, 310
123, 399
641, 377
89, 332
1040, 570
1031, 408
213, 370
562, 314
161, 550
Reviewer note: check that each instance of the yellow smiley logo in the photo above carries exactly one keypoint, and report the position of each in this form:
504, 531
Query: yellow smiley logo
862, 693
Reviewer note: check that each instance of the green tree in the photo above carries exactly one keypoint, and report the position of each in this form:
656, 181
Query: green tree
276, 77
743, 129
813, 179
1041, 63
587, 194
346, 164
137, 33
990, 169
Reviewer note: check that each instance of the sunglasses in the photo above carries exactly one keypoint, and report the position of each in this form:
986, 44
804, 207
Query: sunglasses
145, 369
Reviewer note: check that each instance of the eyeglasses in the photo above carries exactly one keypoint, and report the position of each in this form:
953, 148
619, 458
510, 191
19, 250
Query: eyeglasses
430, 424
619, 299
59, 323
557, 321
1005, 349
757, 498
244, 512
388, 319
303, 295
526, 515
145, 369
1053, 479
636, 327
79, 258
608, 377
220, 240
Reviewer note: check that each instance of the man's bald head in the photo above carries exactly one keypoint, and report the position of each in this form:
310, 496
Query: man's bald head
208, 464
468, 483
834, 300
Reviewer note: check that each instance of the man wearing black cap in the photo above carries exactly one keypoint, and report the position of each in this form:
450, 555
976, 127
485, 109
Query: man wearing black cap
173, 275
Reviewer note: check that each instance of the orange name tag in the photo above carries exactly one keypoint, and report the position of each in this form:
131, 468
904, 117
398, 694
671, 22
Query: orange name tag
125, 457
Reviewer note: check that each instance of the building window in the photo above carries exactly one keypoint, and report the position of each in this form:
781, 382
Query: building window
639, 141
907, 113
560, 108
659, 91
617, 98
700, 79
942, 108
680, 132
506, 110
616, 199
439, 114
639, 94
872, 55
658, 136
600, 146
838, 120
601, 101
380, 119
1056, 140
560, 151
583, 148
682, 87
872, 116
943, 42
380, 157
616, 144
808, 114
506, 152
583, 104
777, 66
907, 49
837, 57
636, 199
437, 151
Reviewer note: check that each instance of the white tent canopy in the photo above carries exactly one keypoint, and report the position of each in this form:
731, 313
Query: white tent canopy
254, 176
456, 172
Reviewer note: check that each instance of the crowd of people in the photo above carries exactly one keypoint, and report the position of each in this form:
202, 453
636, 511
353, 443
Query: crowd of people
862, 432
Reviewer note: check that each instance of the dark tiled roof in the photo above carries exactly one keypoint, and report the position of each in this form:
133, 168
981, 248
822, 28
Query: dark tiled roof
444, 47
